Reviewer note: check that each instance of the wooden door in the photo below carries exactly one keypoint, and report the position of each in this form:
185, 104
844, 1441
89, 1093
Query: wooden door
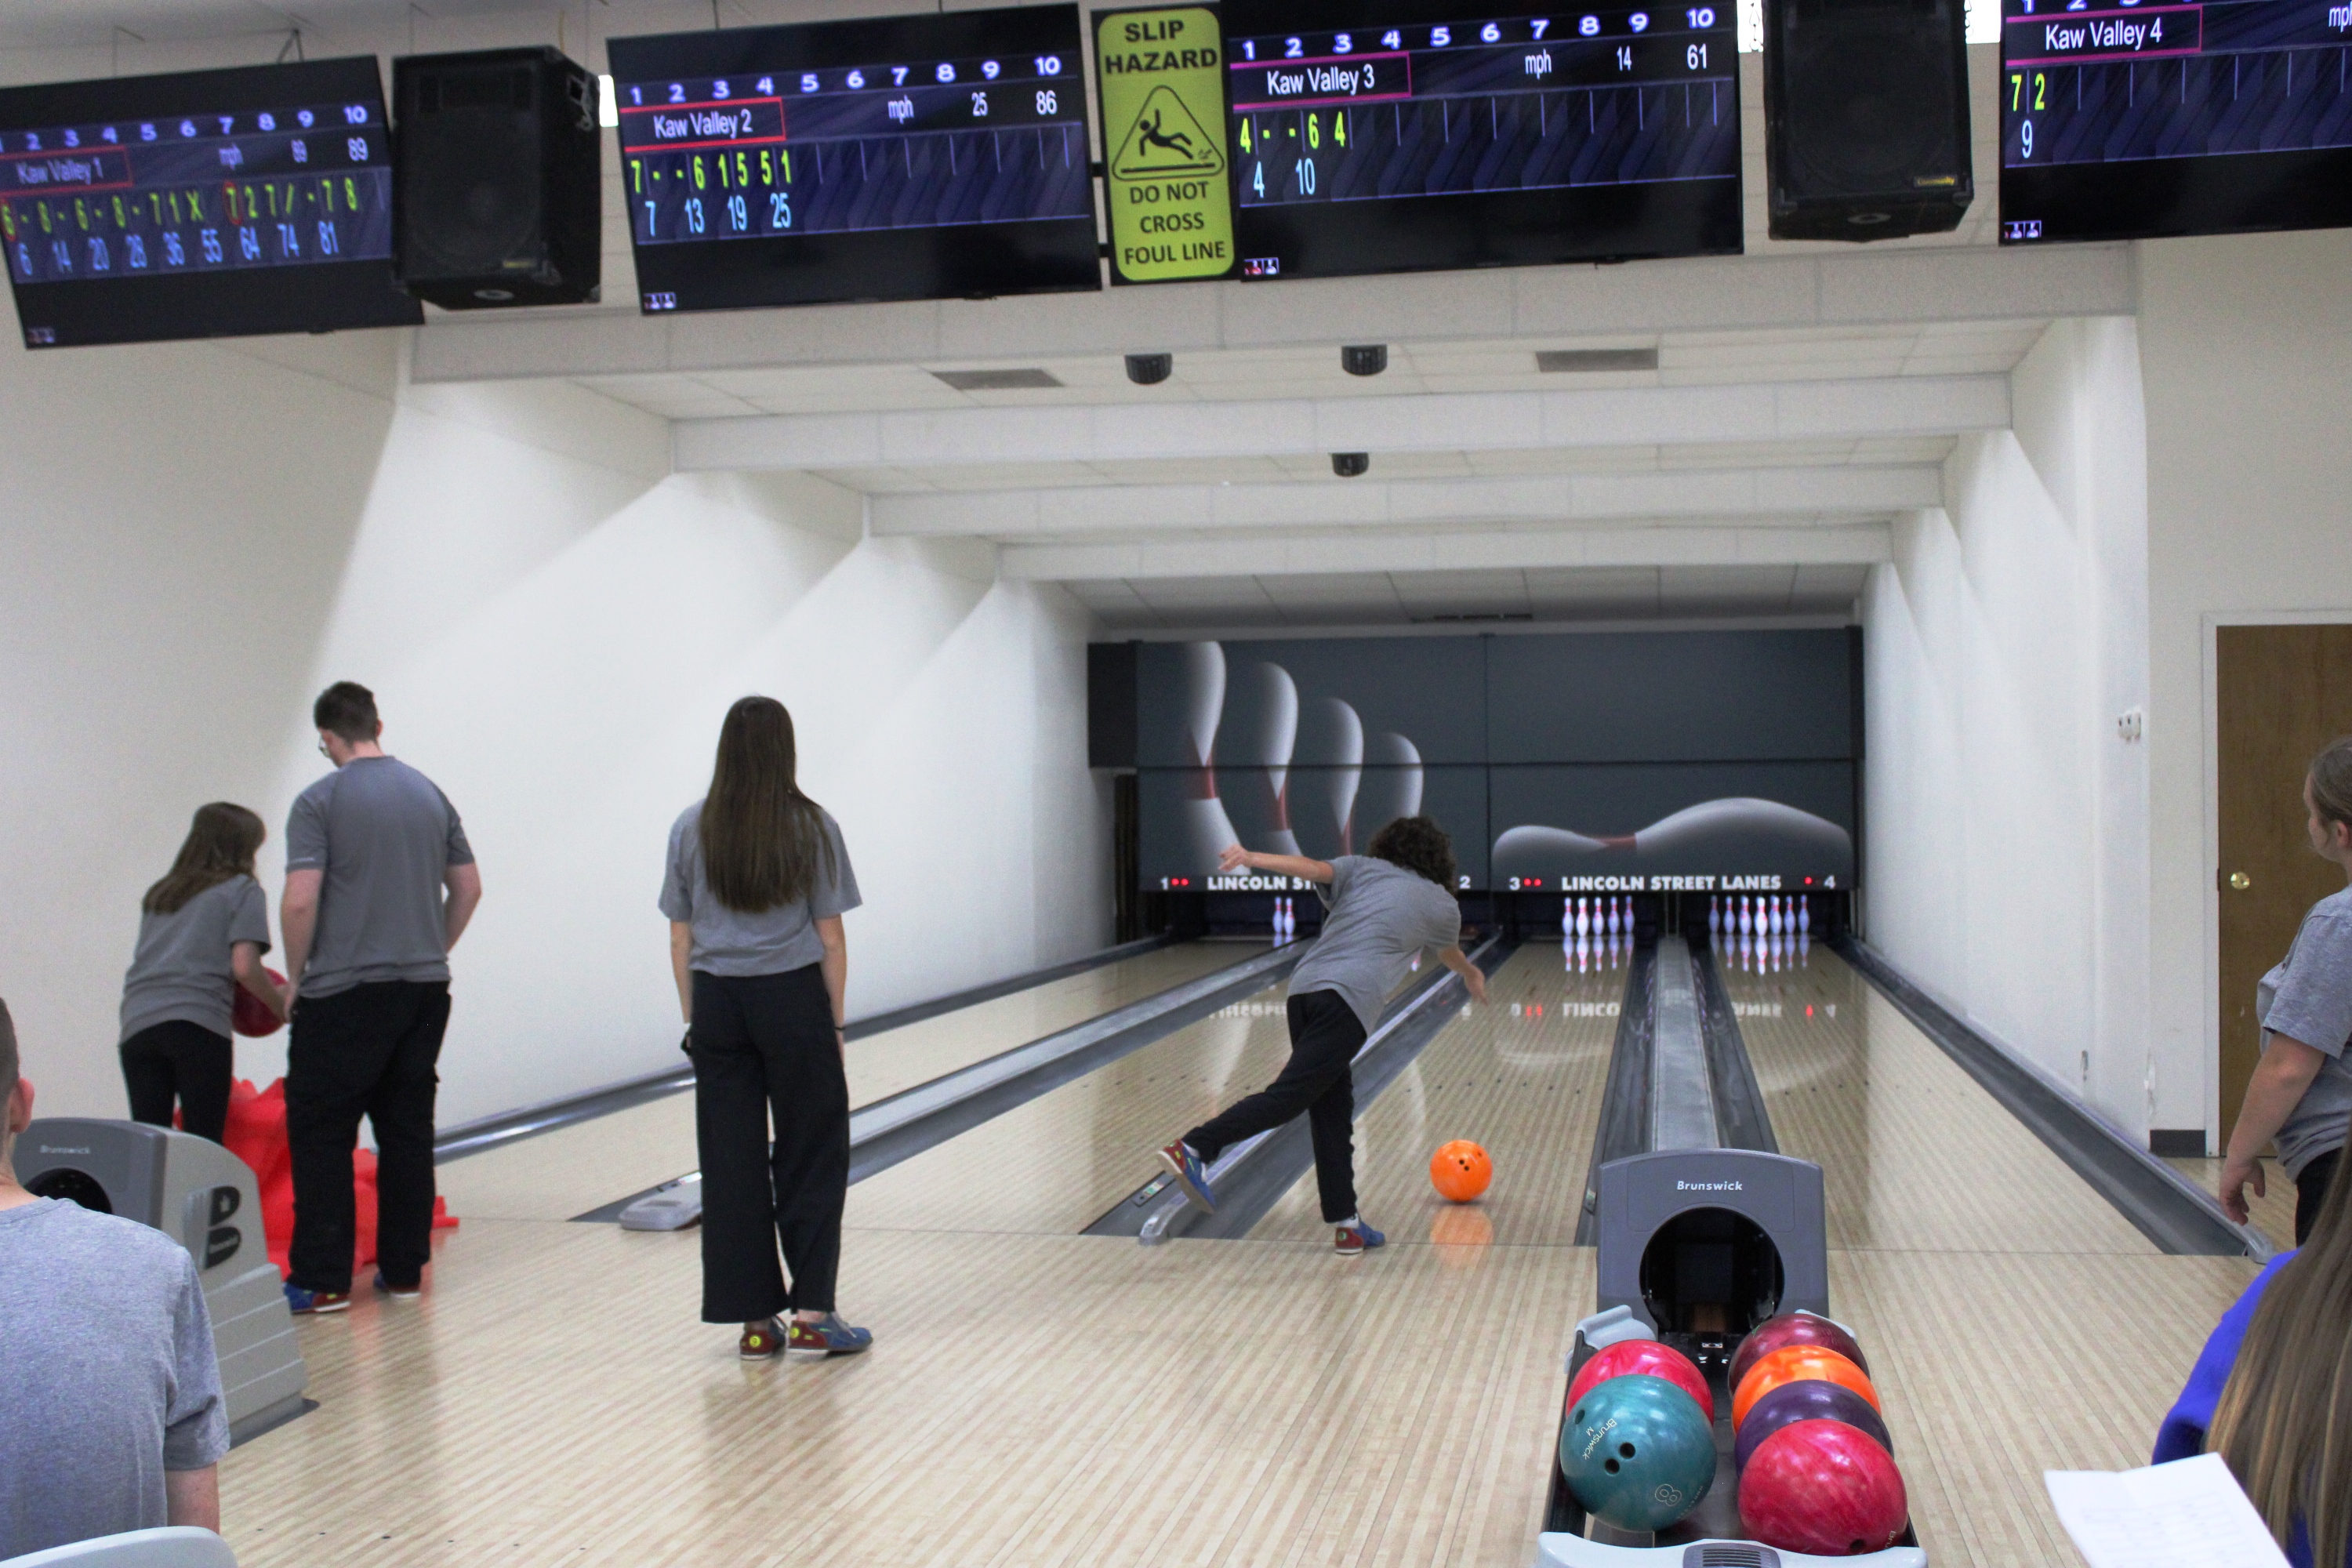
2281, 693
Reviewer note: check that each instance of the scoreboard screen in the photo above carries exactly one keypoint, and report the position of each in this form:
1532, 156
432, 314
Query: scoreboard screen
911, 157
2123, 119
1401, 135
202, 204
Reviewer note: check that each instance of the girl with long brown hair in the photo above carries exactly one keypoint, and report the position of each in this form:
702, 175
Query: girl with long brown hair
2272, 1392
203, 929
758, 881
2301, 1092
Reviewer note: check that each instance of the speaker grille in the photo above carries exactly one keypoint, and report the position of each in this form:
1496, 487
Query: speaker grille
1880, 105
473, 157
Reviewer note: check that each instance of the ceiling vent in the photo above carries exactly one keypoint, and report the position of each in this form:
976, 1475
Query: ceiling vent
1010, 380
1591, 362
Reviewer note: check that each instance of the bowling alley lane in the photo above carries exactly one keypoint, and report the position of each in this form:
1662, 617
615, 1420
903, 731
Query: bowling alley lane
1522, 1076
1057, 1163
1914, 1154
568, 1172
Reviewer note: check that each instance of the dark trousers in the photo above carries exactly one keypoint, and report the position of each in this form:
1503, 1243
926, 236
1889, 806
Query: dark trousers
179, 1060
2310, 1189
763, 1047
369, 1051
1325, 1036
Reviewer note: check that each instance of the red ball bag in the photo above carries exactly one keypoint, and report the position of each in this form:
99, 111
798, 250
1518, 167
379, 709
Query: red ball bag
255, 1133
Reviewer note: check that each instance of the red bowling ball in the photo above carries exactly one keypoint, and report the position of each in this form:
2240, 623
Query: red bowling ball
1824, 1488
1644, 1356
1793, 1328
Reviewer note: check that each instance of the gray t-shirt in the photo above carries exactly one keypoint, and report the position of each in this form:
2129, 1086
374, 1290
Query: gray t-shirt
179, 971
107, 1354
2309, 998
728, 941
385, 837
1380, 915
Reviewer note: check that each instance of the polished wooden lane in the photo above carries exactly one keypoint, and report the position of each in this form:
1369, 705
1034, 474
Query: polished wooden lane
1523, 1077
1032, 1400
561, 1174
1914, 1154
1056, 1165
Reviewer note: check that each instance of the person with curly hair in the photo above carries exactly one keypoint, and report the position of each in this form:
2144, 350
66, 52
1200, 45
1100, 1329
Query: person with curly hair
1380, 909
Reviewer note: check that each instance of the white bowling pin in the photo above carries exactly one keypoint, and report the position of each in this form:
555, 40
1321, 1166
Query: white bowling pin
1805, 915
1714, 915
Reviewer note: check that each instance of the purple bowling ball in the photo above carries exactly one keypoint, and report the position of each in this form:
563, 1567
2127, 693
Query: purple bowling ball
1813, 1399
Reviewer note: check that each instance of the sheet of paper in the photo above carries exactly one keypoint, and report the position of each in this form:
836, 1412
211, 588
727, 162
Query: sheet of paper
2186, 1514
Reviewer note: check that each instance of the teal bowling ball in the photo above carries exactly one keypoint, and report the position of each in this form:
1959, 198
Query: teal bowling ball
1637, 1451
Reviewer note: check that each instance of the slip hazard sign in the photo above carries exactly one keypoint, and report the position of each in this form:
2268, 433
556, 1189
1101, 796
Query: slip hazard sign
1161, 81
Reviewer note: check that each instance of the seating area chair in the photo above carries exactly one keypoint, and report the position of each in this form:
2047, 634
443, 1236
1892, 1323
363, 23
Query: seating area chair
174, 1546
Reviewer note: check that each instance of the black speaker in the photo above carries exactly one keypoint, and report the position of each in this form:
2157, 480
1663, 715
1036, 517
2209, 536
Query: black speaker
1865, 117
496, 193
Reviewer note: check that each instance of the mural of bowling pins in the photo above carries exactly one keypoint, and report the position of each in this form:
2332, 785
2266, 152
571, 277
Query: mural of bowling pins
1207, 827
1278, 736
1348, 769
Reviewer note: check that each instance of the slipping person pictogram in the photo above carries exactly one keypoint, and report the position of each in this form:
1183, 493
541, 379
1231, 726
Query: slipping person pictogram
1166, 140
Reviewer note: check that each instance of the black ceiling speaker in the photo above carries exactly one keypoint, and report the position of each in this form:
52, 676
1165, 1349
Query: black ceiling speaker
497, 194
1865, 117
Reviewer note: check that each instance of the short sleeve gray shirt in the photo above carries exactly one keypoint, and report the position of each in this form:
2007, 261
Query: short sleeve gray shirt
179, 971
1379, 916
772, 942
385, 836
2308, 997
108, 1354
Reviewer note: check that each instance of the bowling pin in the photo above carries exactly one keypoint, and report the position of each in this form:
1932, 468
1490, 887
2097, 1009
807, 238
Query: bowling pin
1713, 914
1805, 915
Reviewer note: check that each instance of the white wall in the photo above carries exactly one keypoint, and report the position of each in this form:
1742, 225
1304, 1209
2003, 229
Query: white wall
2246, 345
194, 538
2006, 821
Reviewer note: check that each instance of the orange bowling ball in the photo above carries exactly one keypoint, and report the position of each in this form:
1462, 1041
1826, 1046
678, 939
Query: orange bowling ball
1460, 1171
1796, 1364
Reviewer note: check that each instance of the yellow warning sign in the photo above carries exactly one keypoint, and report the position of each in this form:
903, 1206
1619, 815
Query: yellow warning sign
1160, 79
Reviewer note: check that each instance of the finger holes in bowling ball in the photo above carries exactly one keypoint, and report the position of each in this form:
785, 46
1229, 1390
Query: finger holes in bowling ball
1625, 1449
1710, 1270
1609, 1465
73, 1186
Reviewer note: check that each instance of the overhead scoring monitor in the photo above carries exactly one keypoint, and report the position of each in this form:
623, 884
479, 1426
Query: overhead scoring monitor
2123, 121
200, 204
912, 157
1406, 134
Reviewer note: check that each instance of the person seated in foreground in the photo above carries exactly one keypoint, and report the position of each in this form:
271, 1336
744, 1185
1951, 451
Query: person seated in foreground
111, 1417
2272, 1392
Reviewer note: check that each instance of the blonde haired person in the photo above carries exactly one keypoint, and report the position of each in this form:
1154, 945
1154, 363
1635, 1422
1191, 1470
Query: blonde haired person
2272, 1392
203, 929
758, 881
2301, 1093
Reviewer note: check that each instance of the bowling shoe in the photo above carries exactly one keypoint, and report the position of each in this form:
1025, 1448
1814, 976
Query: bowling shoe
763, 1341
310, 1303
1351, 1240
408, 1292
827, 1336
1190, 1173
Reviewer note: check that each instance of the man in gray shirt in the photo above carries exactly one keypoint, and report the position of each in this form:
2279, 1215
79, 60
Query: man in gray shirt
112, 1418
1383, 907
380, 883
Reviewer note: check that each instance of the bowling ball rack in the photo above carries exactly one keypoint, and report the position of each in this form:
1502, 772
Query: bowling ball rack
1646, 1205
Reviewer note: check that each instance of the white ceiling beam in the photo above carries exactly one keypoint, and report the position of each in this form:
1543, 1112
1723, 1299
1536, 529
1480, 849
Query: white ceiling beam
1845, 544
1753, 293
1366, 502
1420, 422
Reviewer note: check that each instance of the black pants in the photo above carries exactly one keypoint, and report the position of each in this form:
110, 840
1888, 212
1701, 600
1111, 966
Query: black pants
2310, 1188
763, 1045
1325, 1036
178, 1059
370, 1051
